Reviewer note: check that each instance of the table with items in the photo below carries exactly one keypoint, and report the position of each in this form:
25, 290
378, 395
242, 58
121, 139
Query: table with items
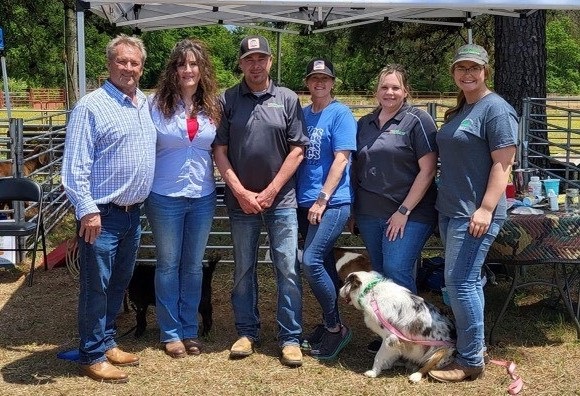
550, 239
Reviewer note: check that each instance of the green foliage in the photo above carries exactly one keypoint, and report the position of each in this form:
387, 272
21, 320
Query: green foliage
220, 44
34, 42
563, 47
35, 45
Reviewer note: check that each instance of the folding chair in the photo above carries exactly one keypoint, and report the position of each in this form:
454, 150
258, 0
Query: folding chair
24, 190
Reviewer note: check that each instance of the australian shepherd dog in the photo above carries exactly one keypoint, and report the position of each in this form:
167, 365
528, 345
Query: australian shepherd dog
411, 328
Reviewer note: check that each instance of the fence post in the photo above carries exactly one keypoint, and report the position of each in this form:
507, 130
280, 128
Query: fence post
523, 134
17, 152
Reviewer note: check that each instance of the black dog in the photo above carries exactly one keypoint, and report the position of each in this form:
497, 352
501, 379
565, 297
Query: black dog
141, 293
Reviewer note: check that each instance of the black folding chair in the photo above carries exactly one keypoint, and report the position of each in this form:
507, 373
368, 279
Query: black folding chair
24, 190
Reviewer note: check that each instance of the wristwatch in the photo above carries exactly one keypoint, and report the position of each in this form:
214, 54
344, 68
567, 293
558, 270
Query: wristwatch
323, 196
403, 210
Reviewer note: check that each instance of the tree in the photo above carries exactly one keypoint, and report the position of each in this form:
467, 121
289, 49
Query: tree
520, 63
520, 58
563, 51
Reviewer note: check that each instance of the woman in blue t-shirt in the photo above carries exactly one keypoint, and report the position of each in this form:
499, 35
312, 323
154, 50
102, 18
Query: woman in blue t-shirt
324, 199
477, 146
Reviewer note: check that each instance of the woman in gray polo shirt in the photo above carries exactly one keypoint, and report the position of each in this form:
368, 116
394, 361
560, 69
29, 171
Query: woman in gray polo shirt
394, 172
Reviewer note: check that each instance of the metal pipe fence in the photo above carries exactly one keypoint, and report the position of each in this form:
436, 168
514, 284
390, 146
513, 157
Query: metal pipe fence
551, 135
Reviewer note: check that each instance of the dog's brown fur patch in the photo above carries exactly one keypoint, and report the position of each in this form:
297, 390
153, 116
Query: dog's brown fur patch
348, 261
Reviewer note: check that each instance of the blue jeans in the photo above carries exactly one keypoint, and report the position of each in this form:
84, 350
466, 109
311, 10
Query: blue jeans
282, 228
181, 228
106, 267
394, 259
464, 258
318, 261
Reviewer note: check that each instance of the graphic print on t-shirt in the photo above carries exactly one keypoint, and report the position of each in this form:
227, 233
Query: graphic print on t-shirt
313, 151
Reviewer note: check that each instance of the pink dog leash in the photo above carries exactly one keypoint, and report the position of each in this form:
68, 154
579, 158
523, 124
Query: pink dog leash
399, 335
517, 383
514, 387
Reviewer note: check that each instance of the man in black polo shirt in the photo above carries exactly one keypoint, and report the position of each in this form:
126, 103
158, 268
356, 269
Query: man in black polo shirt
258, 147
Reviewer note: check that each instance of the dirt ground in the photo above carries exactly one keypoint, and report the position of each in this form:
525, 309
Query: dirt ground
38, 322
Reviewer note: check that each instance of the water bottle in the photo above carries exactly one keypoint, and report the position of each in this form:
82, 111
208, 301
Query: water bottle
553, 197
534, 186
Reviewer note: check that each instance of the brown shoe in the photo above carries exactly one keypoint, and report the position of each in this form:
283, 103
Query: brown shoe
121, 358
175, 349
192, 346
454, 372
104, 372
242, 347
291, 356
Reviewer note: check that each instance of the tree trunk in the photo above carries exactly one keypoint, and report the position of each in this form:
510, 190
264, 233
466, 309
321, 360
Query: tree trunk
72, 75
520, 65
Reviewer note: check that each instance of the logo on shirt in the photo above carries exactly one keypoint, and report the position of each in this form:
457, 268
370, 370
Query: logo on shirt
313, 151
396, 132
275, 105
466, 124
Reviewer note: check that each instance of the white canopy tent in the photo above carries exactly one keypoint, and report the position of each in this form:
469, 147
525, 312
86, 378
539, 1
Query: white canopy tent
312, 16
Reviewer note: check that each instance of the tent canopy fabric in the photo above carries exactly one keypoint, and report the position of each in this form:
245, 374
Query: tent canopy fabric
313, 16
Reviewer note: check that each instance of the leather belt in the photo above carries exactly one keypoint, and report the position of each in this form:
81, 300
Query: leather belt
125, 208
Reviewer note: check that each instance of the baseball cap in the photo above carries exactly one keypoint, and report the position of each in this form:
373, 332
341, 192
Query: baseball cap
320, 65
254, 45
471, 52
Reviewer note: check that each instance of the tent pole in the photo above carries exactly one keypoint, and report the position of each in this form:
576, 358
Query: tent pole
469, 28
82, 69
278, 58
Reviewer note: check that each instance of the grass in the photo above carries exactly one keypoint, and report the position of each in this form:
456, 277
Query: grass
38, 322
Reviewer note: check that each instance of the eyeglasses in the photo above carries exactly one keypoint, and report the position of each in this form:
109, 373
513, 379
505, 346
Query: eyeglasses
469, 70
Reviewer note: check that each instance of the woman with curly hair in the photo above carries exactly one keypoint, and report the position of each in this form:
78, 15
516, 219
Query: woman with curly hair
181, 206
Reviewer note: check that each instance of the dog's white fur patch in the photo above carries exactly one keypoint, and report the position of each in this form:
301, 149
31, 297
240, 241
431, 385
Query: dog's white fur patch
412, 316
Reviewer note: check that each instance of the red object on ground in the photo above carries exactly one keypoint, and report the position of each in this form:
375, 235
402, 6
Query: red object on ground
57, 258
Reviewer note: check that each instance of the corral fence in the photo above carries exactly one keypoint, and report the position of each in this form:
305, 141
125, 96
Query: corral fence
38, 99
550, 140
34, 148
549, 145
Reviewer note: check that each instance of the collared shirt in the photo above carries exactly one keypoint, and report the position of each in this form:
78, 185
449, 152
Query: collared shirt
184, 167
259, 131
109, 150
387, 162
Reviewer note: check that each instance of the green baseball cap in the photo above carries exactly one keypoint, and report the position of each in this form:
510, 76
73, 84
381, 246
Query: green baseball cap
471, 52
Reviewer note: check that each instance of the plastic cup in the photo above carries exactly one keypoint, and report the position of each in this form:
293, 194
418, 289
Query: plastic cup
552, 184
510, 190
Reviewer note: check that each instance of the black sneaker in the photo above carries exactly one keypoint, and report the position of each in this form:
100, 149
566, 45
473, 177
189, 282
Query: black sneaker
331, 344
374, 346
314, 338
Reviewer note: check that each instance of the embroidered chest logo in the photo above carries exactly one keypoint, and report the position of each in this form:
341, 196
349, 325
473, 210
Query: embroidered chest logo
275, 105
467, 123
396, 132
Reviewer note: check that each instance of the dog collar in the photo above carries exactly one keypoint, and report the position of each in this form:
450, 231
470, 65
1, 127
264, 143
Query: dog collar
368, 288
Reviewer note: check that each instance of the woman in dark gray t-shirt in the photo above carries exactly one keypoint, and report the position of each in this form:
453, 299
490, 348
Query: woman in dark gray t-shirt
477, 145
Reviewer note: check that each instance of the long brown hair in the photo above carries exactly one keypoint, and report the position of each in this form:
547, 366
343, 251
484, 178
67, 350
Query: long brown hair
206, 96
